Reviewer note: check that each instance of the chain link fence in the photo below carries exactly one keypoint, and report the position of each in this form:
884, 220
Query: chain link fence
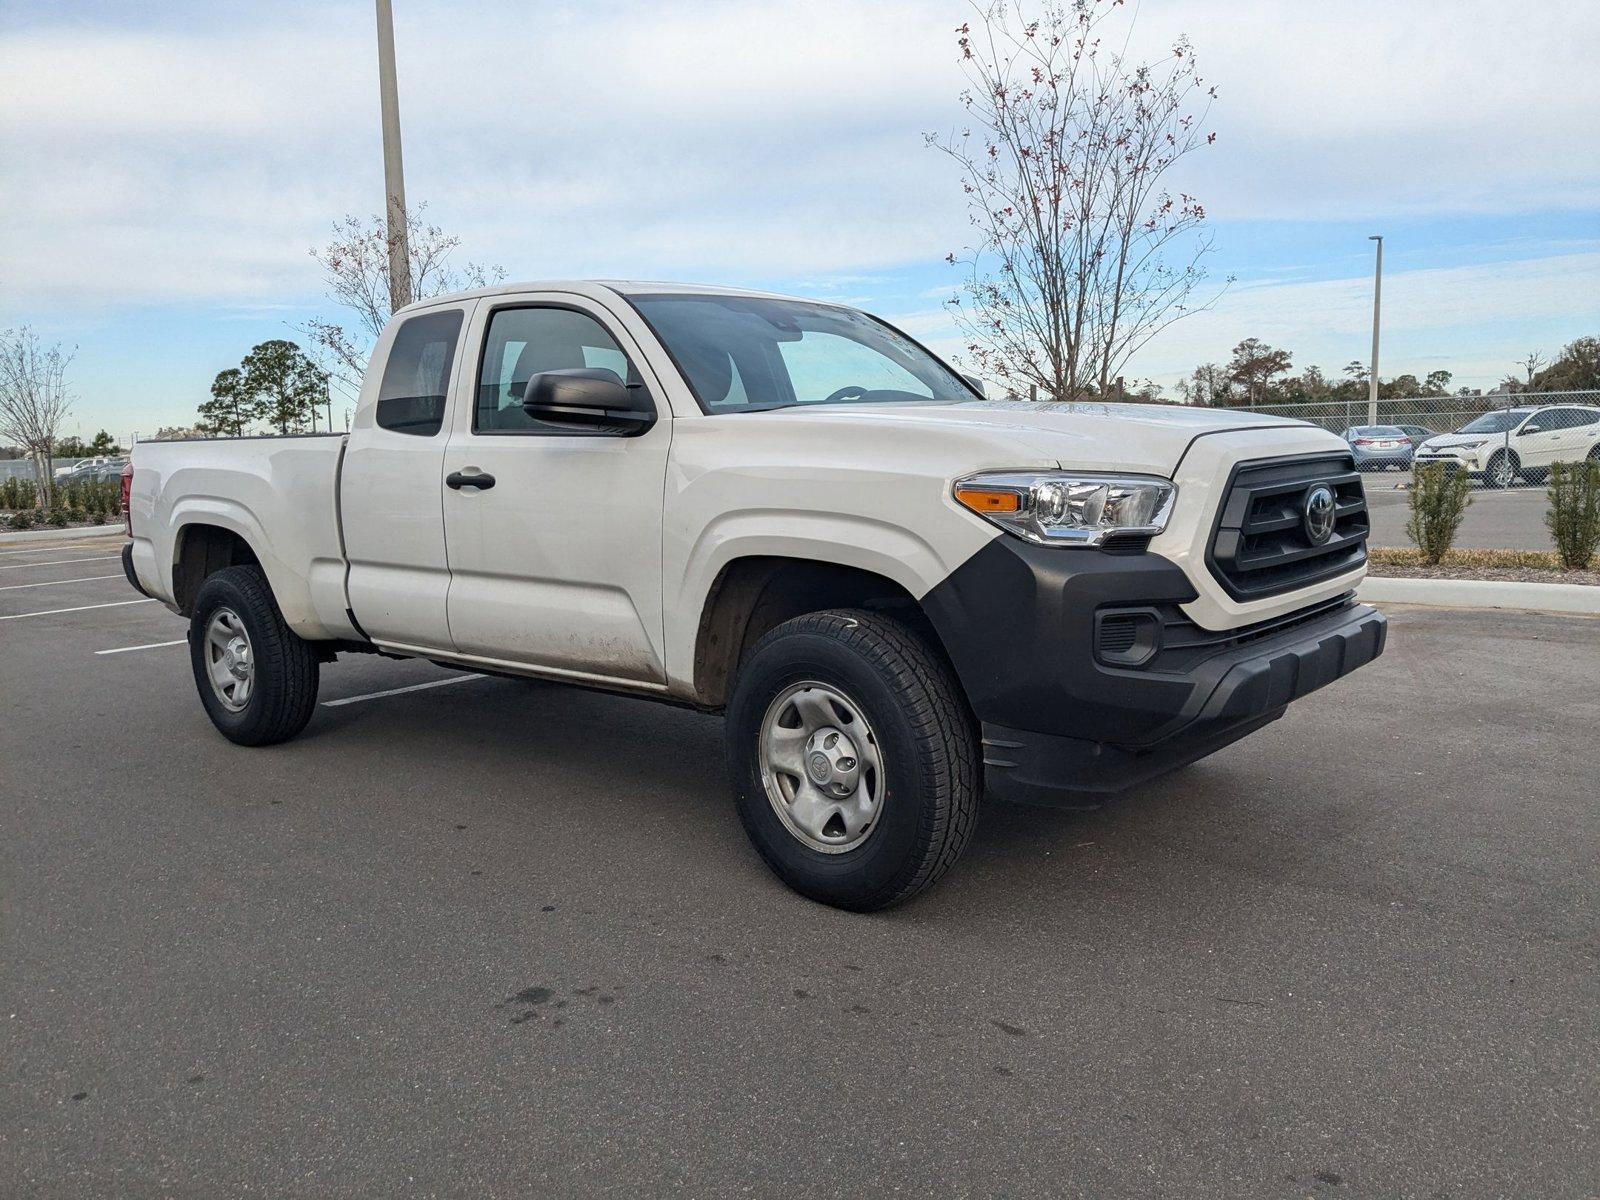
1517, 435
1505, 442
22, 468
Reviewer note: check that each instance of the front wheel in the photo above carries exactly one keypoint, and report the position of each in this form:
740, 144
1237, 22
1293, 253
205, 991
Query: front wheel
1502, 470
854, 758
256, 677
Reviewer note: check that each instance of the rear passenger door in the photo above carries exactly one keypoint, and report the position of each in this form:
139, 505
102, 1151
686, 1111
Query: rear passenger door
1581, 437
1550, 436
557, 563
391, 510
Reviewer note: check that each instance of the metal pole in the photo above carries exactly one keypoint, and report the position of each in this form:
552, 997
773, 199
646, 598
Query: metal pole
1377, 300
394, 180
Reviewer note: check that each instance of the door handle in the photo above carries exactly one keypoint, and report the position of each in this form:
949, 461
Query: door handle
457, 480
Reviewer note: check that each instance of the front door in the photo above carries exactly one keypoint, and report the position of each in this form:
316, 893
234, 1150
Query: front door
554, 531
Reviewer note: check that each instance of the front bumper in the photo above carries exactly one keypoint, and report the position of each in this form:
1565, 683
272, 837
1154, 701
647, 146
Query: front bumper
1060, 723
1471, 463
1232, 695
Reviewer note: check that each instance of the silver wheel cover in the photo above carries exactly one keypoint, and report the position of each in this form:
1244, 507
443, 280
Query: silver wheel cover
230, 660
821, 767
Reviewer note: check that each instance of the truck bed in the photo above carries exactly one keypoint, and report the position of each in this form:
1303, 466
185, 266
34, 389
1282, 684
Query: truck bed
281, 494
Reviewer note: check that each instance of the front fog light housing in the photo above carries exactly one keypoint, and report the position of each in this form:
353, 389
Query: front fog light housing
1057, 508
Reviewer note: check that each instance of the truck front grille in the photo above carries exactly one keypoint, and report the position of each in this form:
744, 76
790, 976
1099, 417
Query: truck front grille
1262, 544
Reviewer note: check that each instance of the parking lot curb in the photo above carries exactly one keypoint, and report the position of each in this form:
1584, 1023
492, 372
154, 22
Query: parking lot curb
40, 535
1573, 598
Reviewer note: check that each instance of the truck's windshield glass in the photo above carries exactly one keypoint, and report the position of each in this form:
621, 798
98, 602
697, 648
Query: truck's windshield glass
746, 353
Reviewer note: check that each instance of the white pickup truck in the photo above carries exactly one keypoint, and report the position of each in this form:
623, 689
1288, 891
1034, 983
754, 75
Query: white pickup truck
902, 595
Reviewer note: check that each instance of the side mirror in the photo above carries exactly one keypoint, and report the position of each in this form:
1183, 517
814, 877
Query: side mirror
1527, 429
594, 398
977, 385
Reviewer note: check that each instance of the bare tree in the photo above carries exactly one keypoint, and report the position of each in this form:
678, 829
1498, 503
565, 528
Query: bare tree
1081, 254
355, 267
33, 399
1531, 364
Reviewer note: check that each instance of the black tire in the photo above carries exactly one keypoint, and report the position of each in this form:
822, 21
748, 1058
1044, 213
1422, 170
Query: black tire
283, 692
1496, 460
1594, 453
922, 726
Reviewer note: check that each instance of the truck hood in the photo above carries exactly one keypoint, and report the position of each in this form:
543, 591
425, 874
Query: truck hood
1146, 438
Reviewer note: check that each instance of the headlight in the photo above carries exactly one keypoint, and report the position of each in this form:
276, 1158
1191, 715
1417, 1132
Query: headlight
1470, 445
1054, 508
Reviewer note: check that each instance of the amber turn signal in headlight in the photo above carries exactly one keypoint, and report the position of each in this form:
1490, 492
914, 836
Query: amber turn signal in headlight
988, 500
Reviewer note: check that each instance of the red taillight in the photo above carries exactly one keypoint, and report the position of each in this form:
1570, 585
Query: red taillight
127, 491
1357, 442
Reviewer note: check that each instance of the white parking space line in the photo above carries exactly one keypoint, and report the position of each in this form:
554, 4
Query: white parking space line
415, 687
50, 612
11, 587
146, 646
56, 562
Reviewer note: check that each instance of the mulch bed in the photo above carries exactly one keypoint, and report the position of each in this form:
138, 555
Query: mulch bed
1498, 574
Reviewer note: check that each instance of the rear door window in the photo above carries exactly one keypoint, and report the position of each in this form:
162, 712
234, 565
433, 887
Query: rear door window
416, 379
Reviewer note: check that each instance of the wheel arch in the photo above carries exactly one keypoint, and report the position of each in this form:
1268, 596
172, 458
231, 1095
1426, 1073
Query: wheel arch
755, 593
201, 548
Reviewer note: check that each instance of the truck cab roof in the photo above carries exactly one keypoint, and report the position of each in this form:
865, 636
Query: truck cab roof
598, 288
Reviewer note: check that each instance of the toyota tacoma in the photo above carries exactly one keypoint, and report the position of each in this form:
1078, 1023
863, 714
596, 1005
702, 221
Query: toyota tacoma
901, 595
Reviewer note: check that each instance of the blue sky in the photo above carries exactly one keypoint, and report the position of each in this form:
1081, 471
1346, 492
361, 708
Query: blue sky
169, 166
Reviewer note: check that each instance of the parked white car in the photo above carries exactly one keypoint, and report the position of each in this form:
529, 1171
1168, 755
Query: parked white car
1517, 443
82, 465
899, 593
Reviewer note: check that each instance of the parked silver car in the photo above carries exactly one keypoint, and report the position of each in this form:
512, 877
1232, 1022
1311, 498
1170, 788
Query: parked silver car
1377, 447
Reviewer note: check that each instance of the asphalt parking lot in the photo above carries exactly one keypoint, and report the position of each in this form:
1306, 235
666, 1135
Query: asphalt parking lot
502, 938
1496, 520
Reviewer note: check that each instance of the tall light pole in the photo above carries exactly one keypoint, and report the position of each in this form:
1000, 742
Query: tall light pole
394, 176
1377, 301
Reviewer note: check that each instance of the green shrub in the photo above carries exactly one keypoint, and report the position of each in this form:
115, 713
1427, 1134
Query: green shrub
1574, 516
57, 517
23, 519
1438, 500
16, 492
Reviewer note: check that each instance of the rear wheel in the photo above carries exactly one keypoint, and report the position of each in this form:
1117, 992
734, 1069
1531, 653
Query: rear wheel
256, 677
854, 757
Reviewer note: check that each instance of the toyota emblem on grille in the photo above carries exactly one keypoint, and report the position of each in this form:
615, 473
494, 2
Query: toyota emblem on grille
1319, 514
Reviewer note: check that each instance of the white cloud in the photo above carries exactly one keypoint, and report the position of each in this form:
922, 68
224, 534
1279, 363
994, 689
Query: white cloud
1370, 107
196, 155
730, 138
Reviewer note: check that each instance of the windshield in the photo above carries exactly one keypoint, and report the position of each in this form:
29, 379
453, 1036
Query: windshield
1388, 431
747, 353
1495, 422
